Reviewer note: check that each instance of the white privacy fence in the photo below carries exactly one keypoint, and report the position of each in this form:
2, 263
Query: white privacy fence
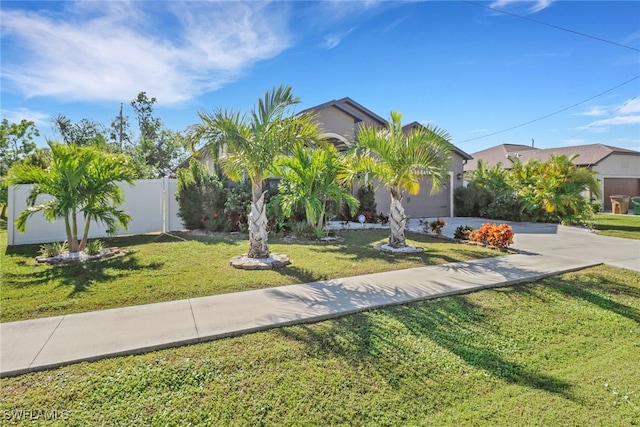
150, 202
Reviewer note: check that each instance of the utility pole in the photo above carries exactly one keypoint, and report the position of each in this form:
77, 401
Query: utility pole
121, 148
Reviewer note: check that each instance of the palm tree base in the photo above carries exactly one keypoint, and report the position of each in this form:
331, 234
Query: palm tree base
76, 257
385, 247
274, 261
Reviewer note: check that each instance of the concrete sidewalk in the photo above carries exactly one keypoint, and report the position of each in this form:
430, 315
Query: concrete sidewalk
39, 344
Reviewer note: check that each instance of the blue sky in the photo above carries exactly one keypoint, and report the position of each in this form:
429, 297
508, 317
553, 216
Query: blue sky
461, 66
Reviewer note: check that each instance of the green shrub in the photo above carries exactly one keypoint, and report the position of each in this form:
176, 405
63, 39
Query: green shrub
304, 230
94, 247
200, 195
278, 222
53, 249
237, 206
471, 201
505, 206
462, 232
216, 222
368, 206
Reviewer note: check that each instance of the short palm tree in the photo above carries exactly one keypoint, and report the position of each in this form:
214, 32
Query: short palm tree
247, 147
309, 178
399, 160
553, 190
81, 181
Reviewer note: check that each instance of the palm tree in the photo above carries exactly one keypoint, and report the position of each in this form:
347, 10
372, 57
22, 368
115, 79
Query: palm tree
248, 145
81, 181
553, 190
309, 177
399, 160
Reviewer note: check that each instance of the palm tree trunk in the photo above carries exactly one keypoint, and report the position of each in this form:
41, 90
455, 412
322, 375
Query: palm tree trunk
67, 227
397, 223
73, 242
258, 233
85, 234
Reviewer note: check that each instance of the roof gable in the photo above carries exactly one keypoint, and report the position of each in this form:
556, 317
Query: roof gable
352, 108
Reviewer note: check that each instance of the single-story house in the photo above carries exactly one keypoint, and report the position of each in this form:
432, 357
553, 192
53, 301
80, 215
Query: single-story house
340, 121
618, 169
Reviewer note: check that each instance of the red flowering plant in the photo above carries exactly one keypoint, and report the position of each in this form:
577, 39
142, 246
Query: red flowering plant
499, 236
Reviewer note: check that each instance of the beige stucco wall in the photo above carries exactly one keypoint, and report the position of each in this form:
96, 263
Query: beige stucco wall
618, 166
334, 121
424, 204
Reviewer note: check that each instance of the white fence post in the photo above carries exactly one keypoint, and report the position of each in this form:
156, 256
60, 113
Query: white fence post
451, 188
165, 204
11, 216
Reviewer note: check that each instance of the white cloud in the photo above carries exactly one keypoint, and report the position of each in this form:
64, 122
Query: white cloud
110, 50
333, 40
537, 5
631, 106
619, 115
16, 116
619, 120
593, 112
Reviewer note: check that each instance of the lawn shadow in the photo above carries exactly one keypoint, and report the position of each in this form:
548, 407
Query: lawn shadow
302, 275
453, 324
459, 326
358, 245
595, 293
80, 276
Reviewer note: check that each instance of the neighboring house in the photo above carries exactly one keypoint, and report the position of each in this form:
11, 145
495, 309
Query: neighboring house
618, 169
340, 121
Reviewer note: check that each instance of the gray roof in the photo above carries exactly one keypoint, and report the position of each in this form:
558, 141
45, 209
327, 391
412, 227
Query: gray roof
588, 155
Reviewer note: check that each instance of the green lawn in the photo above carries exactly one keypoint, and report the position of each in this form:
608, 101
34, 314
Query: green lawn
564, 351
170, 267
625, 226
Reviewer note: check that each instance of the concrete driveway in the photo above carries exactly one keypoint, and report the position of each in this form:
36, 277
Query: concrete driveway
558, 240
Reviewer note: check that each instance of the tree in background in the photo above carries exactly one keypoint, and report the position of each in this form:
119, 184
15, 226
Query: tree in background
81, 181
82, 133
250, 144
120, 132
399, 161
309, 178
159, 150
16, 144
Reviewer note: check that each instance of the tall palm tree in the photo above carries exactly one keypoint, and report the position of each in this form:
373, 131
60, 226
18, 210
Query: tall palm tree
399, 161
309, 177
247, 146
81, 181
